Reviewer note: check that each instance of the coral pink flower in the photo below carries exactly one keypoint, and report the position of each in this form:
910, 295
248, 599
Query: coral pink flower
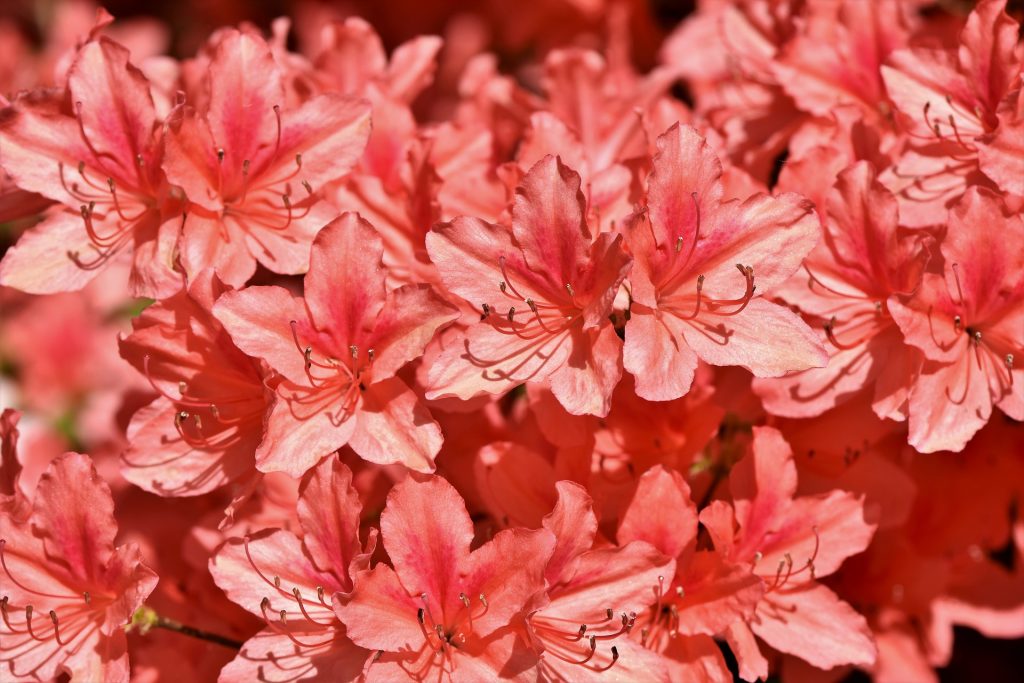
96, 148
791, 542
253, 167
337, 352
836, 57
594, 596
1001, 154
353, 62
688, 300
864, 259
967, 323
948, 99
706, 594
443, 608
67, 591
290, 579
545, 288
201, 432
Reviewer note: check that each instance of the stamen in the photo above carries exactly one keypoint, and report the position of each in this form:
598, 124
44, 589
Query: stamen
486, 311
511, 313
56, 629
956, 276
568, 288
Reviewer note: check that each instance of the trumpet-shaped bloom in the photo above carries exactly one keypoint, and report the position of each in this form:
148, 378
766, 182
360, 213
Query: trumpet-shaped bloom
67, 591
864, 259
253, 166
337, 352
948, 101
290, 581
594, 596
707, 593
967, 322
441, 607
791, 542
545, 289
96, 149
689, 302
203, 429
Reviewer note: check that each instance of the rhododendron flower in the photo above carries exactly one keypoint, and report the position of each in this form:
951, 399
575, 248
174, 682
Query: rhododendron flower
594, 596
967, 322
290, 581
707, 593
948, 99
791, 542
67, 591
688, 301
545, 288
97, 149
337, 352
441, 607
203, 429
253, 167
864, 259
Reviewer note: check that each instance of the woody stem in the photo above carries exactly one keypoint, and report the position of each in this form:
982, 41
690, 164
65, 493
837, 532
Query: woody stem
171, 625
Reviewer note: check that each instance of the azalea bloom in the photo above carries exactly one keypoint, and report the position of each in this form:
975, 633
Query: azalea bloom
948, 100
545, 290
791, 542
382, 285
441, 607
202, 430
97, 149
864, 259
707, 593
253, 167
67, 591
337, 352
594, 597
688, 301
966, 321
289, 581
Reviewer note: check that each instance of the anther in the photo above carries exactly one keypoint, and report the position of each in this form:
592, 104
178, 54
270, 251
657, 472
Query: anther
532, 305
354, 350
464, 600
1009, 360
679, 244
977, 337
421, 616
609, 613
511, 313
502, 286
277, 582
309, 188
139, 160
568, 288
298, 160
486, 311
370, 353
484, 601
957, 323
245, 166
220, 155
87, 597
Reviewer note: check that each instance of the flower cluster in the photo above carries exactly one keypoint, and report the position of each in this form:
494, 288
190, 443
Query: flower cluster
394, 365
